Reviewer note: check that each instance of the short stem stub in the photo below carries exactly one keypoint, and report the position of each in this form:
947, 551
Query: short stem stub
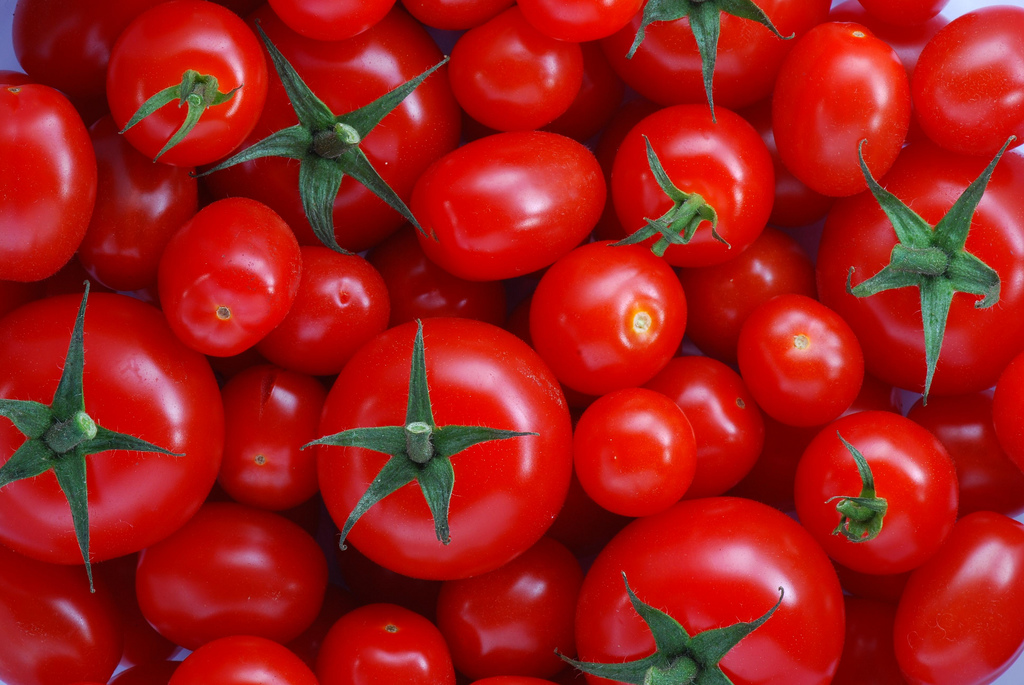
418, 444
927, 261
333, 142
64, 436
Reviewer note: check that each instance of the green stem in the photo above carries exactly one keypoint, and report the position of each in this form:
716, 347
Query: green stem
418, 444
927, 261
332, 143
64, 436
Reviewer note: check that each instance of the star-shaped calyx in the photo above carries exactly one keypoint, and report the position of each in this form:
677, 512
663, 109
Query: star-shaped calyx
327, 147
678, 659
705, 18
932, 260
677, 225
861, 516
60, 436
420, 450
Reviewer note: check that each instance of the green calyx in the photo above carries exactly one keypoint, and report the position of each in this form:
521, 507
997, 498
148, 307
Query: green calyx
196, 91
678, 225
327, 147
678, 659
705, 18
932, 260
861, 516
420, 450
60, 436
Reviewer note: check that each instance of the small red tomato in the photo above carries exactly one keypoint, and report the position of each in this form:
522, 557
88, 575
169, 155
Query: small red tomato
634, 452
229, 276
331, 19
242, 660
801, 361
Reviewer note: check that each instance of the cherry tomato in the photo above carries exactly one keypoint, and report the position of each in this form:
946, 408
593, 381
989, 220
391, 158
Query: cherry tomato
904, 12
232, 570
599, 96
47, 182
229, 276
579, 20
455, 15
384, 643
242, 660
634, 452
605, 318
331, 20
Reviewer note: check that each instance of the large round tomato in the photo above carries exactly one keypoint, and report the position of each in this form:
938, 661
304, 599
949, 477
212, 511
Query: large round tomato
346, 75
978, 343
710, 563
138, 380
47, 182
506, 492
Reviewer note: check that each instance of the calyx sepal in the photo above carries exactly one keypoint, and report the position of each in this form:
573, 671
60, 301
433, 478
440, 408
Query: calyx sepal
861, 516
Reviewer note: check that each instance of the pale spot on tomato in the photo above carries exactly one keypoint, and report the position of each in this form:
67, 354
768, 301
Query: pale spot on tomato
642, 322
260, 460
223, 313
801, 342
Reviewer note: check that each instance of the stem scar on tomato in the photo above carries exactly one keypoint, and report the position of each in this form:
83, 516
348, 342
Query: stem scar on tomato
327, 147
678, 659
705, 18
933, 260
860, 516
420, 450
60, 436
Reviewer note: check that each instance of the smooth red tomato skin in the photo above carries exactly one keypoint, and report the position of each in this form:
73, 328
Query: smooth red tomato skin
154, 51
579, 20
988, 479
455, 15
961, 616
978, 343
510, 76
236, 254
419, 289
726, 422
838, 86
904, 12
139, 206
380, 643
347, 75
1008, 408
330, 19
667, 66
912, 471
341, 303
725, 162
243, 660
138, 379
721, 297
47, 181
801, 361
510, 621
232, 570
634, 452
55, 630
508, 204
599, 96
605, 318
479, 375
269, 414
968, 85
708, 563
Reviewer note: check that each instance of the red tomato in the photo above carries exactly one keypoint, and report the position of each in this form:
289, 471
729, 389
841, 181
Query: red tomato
138, 379
597, 99
330, 19
384, 643
605, 318
242, 660
508, 204
721, 297
579, 20
341, 303
455, 15
512, 620
139, 206
337, 602
912, 472
959, 619
839, 86
727, 425
142, 644
725, 163
232, 570
479, 375
156, 50
634, 452
968, 83
269, 414
1008, 408
801, 361
510, 76
55, 630
47, 182
708, 563
978, 343
347, 75
868, 652
904, 12
229, 276
152, 673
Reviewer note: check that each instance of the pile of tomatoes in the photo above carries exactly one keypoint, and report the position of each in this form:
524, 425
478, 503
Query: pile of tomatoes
464, 341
